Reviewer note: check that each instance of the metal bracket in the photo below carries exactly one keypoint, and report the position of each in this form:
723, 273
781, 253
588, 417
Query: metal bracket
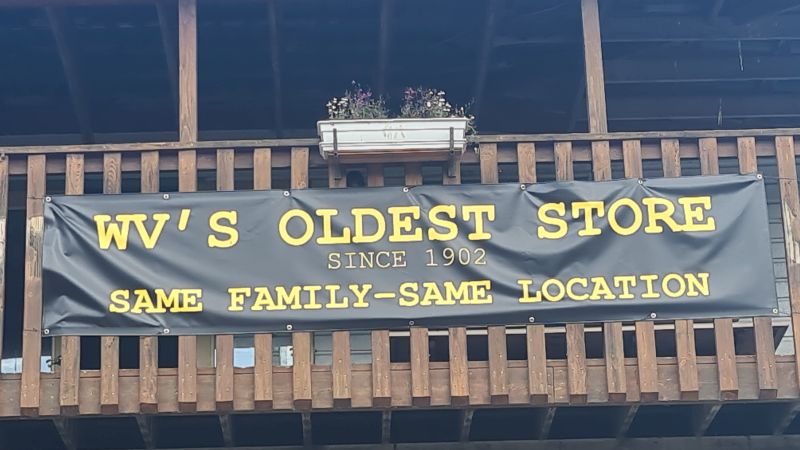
335, 165
452, 161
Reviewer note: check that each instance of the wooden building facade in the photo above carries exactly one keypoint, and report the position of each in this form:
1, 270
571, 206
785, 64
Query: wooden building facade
730, 382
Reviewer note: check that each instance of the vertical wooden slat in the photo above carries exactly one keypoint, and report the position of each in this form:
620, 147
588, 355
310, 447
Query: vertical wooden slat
498, 352
613, 344
593, 65
109, 345
420, 367
342, 376
71, 345
645, 331
32, 315
762, 326
576, 345
535, 337
301, 341
187, 345
224, 343
688, 381
790, 202
187, 69
723, 328
262, 343
148, 345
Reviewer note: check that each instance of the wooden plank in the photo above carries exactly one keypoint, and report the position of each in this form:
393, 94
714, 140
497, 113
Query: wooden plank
613, 344
262, 343
790, 199
109, 345
723, 328
526, 162
487, 154
187, 345
148, 345
593, 66
301, 341
645, 331
342, 376
762, 326
420, 367
684, 329
459, 366
224, 343
32, 315
576, 346
381, 369
537, 364
71, 345
498, 365
187, 70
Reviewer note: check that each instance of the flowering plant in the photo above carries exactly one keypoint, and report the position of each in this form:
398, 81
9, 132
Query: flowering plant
424, 103
357, 103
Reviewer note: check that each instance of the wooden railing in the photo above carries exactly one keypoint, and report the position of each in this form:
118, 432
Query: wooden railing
544, 377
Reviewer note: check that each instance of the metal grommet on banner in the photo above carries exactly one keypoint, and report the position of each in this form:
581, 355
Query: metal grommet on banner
166, 330
46, 331
775, 311
289, 327
759, 176
411, 323
652, 315
531, 319
166, 196
405, 188
522, 187
286, 193
48, 199
641, 180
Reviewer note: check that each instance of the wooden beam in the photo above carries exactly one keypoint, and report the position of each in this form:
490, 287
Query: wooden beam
71, 345
55, 17
466, 424
187, 345
66, 431
383, 44
705, 417
109, 345
459, 366
420, 367
145, 424
148, 345
169, 45
593, 67
187, 70
275, 59
485, 55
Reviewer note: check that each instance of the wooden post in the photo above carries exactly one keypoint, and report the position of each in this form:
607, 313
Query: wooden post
224, 343
187, 69
187, 345
262, 343
593, 61
32, 316
688, 382
419, 342
302, 342
109, 345
148, 345
71, 345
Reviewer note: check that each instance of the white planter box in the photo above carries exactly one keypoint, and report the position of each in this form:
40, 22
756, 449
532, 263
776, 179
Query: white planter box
355, 137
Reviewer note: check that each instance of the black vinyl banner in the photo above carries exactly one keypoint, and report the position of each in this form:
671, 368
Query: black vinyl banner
433, 256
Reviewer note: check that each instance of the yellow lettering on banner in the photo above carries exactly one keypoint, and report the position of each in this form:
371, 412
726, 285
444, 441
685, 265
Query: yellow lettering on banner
436, 221
312, 297
648, 280
667, 287
409, 295
432, 294
664, 215
693, 209
283, 225
557, 222
360, 291
625, 282
230, 233
237, 296
119, 229
290, 297
697, 284
264, 300
587, 208
480, 293
571, 291
332, 297
327, 229
119, 301
559, 293
601, 290
613, 220
402, 224
481, 213
526, 292
358, 234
